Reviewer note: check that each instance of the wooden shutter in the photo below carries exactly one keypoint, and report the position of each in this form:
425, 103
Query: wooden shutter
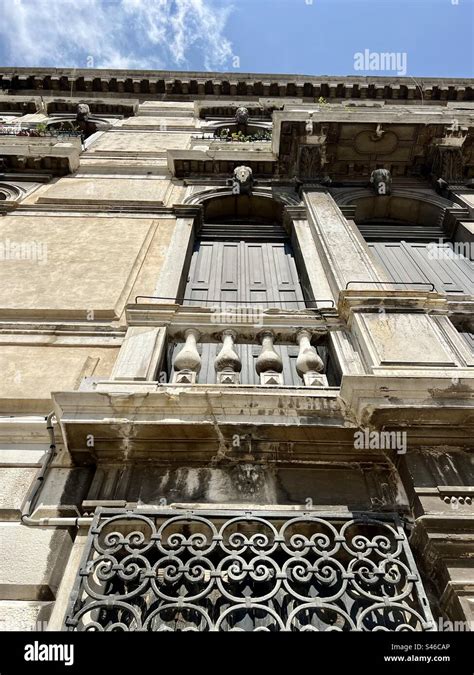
200, 279
260, 273
414, 262
226, 268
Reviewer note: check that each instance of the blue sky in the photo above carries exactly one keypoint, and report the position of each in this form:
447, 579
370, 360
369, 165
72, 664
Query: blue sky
313, 37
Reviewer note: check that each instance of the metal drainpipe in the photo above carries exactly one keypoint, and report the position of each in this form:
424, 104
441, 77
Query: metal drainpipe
35, 489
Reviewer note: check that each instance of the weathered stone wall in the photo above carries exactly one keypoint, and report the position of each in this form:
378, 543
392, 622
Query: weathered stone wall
32, 559
83, 263
31, 372
122, 226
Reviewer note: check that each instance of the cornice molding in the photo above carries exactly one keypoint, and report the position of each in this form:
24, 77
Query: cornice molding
235, 85
213, 320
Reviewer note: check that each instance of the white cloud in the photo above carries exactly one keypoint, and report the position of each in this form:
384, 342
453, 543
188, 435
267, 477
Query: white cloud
141, 34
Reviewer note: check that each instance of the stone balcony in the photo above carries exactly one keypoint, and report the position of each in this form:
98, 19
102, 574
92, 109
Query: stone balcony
189, 379
347, 141
228, 328
211, 143
44, 153
128, 421
265, 374
222, 159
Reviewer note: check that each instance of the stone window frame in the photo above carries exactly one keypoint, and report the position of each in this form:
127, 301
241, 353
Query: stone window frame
142, 353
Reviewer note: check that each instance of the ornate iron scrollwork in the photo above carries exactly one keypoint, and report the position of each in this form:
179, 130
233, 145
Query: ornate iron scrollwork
247, 571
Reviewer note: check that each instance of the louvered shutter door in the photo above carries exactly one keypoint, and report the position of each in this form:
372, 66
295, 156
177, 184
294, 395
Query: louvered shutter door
414, 262
258, 272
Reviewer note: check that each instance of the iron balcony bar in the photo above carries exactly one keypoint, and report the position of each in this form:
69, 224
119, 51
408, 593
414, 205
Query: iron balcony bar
394, 283
179, 301
168, 569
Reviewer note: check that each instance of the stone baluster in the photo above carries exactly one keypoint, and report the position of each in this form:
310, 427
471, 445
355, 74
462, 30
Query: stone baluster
269, 364
309, 364
227, 363
187, 364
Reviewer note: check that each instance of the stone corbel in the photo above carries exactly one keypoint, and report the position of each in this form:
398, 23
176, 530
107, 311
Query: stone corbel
312, 154
445, 155
446, 162
445, 544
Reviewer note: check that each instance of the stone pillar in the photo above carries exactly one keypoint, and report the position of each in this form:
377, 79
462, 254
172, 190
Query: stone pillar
169, 284
141, 354
227, 363
313, 276
187, 364
269, 365
309, 364
56, 621
344, 253
439, 484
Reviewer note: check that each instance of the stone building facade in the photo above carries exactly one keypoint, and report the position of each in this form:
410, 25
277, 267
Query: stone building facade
236, 351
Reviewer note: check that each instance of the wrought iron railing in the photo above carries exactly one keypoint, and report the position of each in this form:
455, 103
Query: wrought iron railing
172, 570
43, 133
229, 136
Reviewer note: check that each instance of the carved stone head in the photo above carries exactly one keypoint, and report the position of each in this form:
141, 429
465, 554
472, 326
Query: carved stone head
248, 478
242, 180
83, 112
242, 115
381, 179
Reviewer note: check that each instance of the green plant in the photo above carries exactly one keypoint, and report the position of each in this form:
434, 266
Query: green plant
240, 137
41, 128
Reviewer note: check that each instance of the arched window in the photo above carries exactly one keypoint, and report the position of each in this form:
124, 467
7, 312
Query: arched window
414, 242
244, 264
